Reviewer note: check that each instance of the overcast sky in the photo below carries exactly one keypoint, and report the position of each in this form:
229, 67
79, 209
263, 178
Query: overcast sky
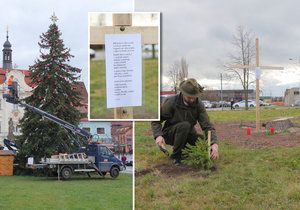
28, 19
202, 31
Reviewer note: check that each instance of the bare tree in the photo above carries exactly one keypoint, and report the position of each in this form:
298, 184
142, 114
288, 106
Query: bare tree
178, 72
244, 54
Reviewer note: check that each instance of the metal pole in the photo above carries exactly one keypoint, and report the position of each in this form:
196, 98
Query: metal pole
221, 91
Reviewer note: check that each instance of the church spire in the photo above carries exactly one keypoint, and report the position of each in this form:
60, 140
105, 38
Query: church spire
7, 53
6, 33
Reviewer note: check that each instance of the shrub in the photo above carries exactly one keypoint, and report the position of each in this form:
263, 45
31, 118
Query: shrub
197, 155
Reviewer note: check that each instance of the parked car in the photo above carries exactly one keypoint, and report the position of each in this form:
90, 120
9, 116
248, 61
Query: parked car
207, 104
92, 53
243, 104
262, 103
215, 104
224, 104
129, 163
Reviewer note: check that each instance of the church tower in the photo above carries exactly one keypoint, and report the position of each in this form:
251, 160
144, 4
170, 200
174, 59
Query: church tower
7, 54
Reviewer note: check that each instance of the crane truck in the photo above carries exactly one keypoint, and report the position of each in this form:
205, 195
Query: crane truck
93, 158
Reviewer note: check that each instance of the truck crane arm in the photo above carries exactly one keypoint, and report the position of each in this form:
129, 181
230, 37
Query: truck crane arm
13, 98
57, 120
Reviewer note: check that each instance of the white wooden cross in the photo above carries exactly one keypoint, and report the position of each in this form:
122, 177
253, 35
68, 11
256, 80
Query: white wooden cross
257, 68
122, 24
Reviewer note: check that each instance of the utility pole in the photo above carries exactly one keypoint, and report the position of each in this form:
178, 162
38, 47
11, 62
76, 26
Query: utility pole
221, 91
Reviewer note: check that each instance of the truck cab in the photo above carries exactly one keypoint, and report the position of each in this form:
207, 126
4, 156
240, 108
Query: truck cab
104, 159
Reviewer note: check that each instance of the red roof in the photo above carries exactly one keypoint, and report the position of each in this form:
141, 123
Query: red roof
167, 92
3, 73
121, 123
80, 87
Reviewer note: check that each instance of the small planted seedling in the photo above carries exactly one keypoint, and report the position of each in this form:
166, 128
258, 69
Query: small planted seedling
197, 155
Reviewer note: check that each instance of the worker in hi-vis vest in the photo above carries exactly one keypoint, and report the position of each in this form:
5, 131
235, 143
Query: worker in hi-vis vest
10, 81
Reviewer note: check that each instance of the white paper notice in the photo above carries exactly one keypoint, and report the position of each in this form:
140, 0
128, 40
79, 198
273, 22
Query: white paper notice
123, 54
257, 73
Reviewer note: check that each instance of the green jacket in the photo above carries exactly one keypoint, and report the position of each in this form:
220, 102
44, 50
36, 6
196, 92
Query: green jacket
173, 111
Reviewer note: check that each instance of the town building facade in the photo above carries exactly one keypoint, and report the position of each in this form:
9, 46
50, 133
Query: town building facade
292, 97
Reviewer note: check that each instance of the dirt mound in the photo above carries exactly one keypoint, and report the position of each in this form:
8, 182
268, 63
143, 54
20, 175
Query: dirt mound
235, 133
171, 170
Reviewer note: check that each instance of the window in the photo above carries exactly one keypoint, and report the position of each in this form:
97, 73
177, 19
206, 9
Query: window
296, 92
87, 129
100, 130
105, 151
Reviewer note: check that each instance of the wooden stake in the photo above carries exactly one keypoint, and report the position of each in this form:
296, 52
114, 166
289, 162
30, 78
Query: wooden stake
257, 89
122, 20
209, 142
123, 113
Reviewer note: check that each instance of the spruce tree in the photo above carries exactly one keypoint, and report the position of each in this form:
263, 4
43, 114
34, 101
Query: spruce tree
53, 80
197, 155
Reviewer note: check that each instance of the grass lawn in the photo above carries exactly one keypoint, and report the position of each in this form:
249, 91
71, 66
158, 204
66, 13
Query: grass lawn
28, 192
149, 108
245, 178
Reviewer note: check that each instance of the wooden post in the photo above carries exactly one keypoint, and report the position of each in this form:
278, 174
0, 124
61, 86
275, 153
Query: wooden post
209, 142
122, 20
257, 89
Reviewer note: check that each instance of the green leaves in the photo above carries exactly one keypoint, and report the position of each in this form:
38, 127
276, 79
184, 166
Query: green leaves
197, 156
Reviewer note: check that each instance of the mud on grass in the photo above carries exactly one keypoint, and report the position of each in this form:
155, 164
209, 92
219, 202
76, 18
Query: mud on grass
173, 171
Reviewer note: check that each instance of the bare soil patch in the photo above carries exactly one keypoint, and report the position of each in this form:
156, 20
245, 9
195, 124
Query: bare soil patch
235, 133
171, 170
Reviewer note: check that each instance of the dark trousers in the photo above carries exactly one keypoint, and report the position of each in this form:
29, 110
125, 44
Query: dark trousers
178, 136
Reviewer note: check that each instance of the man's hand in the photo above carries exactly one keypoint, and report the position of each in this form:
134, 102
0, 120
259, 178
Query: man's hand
214, 152
160, 141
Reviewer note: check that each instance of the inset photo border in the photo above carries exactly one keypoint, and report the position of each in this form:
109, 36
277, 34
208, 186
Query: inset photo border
124, 66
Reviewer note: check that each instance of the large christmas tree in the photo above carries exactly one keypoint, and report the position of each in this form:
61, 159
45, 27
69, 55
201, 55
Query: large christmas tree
54, 80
